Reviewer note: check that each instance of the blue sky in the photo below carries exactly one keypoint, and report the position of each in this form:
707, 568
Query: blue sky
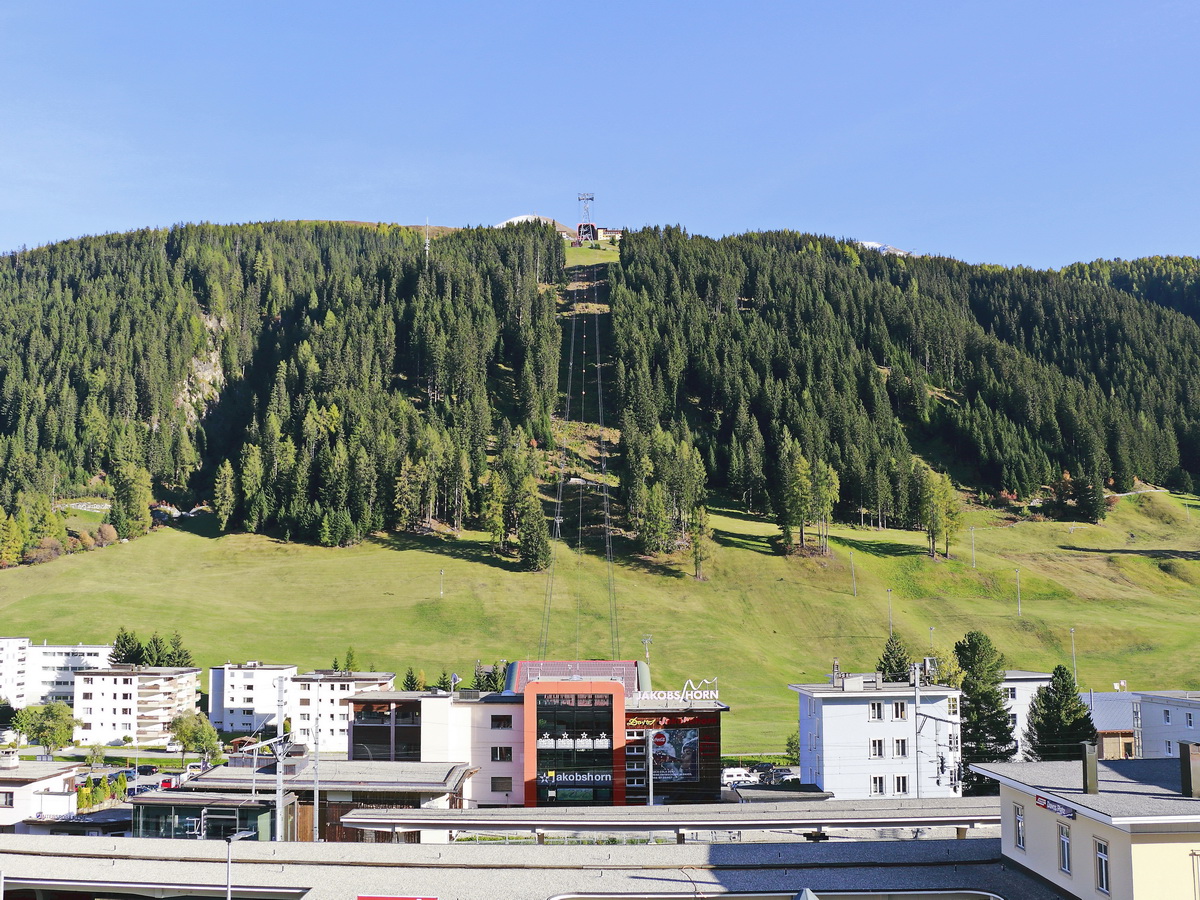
1016, 133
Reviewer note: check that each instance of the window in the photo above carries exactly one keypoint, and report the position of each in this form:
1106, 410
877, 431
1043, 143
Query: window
876, 713
127, 711
1166, 717
954, 740
1188, 720
900, 747
635, 782
305, 701
1064, 847
123, 680
502, 721
1019, 826
899, 709
87, 695
876, 748
812, 740
127, 696
901, 784
1102, 864
1012, 720
502, 785
876, 784
1137, 716
87, 681
247, 712
6, 799
502, 754
635, 765
1010, 693
952, 706
304, 717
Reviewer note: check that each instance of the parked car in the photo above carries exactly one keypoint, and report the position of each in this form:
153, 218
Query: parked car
174, 747
762, 767
736, 775
194, 768
147, 770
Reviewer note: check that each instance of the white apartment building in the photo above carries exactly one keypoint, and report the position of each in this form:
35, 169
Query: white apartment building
1161, 719
39, 673
134, 701
1018, 689
321, 700
862, 737
13, 653
244, 697
486, 731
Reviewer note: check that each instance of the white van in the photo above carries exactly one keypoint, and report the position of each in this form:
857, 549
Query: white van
734, 776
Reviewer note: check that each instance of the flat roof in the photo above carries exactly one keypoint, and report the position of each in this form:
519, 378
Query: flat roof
1026, 675
331, 675
1194, 696
30, 771
868, 688
321, 871
340, 775
140, 670
783, 813
208, 798
1131, 790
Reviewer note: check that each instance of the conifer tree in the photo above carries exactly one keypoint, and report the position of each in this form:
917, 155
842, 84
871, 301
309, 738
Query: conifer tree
986, 731
1059, 721
351, 660
177, 655
532, 534
126, 648
896, 662
410, 680
155, 651
443, 682
224, 495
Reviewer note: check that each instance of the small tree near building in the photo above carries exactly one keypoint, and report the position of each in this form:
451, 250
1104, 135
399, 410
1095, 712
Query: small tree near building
986, 731
1058, 720
896, 662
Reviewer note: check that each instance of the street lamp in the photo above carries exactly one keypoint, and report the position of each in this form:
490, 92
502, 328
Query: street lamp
931, 627
229, 839
316, 827
972, 546
1018, 571
853, 580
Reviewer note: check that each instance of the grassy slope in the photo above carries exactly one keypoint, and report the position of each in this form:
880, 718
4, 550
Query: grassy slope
759, 622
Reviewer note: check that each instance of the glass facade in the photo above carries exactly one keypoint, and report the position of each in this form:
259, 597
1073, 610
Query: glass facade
387, 731
574, 747
191, 820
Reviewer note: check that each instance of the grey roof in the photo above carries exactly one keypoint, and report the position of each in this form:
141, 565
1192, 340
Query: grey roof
785, 812
1111, 710
340, 775
1026, 675
507, 872
1170, 695
624, 671
30, 771
152, 671
869, 687
333, 675
265, 797
1129, 788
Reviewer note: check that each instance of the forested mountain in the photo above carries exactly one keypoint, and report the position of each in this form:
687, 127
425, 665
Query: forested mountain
748, 345
1170, 281
322, 380
310, 359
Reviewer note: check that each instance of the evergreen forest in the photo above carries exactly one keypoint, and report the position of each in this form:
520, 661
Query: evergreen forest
321, 381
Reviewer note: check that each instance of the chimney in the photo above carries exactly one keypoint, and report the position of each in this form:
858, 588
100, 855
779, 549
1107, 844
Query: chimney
1189, 769
1091, 776
879, 681
837, 671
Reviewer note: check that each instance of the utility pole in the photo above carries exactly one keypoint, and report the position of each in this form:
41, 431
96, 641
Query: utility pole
316, 823
280, 753
853, 580
1018, 571
1073, 664
441, 582
889, 590
931, 627
647, 640
972, 546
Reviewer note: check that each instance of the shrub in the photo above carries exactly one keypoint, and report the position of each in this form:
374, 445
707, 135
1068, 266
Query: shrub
47, 548
105, 535
86, 541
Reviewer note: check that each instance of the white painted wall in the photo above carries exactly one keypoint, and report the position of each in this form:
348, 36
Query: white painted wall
244, 697
1165, 721
1018, 695
837, 731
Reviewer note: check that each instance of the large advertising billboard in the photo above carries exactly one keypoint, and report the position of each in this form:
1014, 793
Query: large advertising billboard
676, 753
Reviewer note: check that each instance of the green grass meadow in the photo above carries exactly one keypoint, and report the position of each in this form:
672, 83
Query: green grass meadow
1130, 588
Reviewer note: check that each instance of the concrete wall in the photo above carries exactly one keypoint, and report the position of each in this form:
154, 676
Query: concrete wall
1019, 706
1156, 731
